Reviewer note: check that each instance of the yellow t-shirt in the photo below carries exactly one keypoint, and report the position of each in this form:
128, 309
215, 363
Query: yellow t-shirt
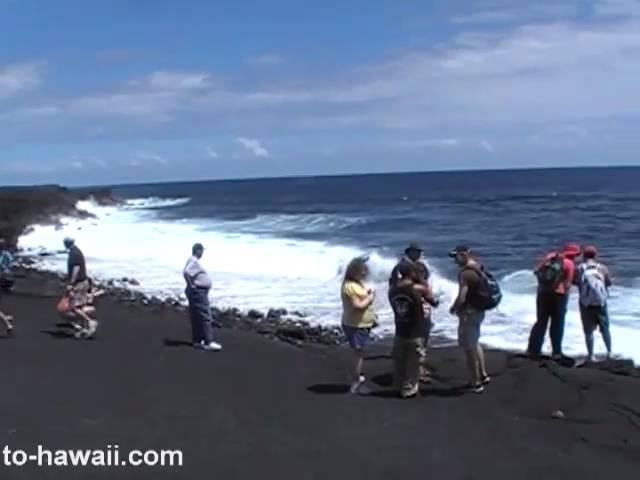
351, 316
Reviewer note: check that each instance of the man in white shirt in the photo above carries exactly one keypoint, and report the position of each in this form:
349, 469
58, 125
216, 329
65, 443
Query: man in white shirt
197, 291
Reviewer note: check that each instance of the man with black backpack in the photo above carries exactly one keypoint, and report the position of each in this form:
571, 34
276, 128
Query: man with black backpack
478, 292
555, 276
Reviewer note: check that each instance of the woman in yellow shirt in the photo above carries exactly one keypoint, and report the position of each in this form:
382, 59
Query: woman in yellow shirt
358, 316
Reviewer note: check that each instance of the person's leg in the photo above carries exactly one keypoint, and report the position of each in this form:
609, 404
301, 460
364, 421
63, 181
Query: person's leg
7, 320
412, 366
539, 329
469, 346
205, 317
424, 371
588, 327
398, 365
358, 380
196, 333
603, 323
556, 331
357, 339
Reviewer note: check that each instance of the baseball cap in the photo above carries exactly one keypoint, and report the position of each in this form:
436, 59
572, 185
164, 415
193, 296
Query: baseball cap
414, 247
459, 249
571, 249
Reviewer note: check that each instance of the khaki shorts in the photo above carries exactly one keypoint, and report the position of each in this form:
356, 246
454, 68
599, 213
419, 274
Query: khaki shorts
469, 328
80, 294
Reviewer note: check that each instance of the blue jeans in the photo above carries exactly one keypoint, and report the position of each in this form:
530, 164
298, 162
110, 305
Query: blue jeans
200, 315
549, 307
592, 318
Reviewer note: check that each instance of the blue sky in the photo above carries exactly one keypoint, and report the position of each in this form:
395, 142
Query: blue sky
157, 90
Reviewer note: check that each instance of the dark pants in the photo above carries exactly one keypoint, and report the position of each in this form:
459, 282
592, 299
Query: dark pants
200, 314
592, 318
549, 307
6, 283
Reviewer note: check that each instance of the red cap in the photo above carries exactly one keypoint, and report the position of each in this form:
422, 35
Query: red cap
590, 250
571, 249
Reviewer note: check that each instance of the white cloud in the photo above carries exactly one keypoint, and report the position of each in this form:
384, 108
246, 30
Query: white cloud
29, 113
84, 161
430, 142
514, 12
19, 77
164, 80
212, 153
142, 156
98, 163
154, 98
487, 146
253, 146
623, 8
545, 70
266, 59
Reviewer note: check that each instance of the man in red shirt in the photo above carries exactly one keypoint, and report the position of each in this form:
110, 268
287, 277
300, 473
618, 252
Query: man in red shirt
555, 275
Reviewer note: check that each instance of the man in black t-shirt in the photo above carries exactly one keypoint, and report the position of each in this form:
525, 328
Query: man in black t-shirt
406, 301
76, 265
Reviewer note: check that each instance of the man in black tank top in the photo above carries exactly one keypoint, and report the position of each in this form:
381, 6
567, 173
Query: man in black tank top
406, 302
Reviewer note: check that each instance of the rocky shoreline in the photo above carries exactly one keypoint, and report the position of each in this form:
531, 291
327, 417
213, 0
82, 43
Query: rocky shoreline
22, 207
276, 323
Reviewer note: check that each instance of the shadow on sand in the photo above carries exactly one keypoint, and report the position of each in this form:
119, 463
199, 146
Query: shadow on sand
168, 342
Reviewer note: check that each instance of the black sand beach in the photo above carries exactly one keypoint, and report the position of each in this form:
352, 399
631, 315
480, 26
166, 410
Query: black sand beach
267, 409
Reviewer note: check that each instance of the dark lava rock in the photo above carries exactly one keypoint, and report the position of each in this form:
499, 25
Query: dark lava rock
255, 315
291, 330
276, 313
156, 302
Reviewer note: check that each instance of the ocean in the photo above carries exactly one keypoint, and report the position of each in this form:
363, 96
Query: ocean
285, 242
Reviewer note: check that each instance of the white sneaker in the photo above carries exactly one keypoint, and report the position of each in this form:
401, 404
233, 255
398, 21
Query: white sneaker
211, 347
359, 387
93, 326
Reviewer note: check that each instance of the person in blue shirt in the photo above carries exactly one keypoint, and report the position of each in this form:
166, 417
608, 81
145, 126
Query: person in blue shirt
6, 264
6, 283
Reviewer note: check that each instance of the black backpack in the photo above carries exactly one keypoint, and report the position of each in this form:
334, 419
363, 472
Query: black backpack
551, 273
489, 295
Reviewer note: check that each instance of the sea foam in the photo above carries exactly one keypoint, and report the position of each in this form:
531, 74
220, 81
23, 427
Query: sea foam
261, 271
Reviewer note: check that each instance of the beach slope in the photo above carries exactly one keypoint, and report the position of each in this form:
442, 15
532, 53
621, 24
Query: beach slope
267, 409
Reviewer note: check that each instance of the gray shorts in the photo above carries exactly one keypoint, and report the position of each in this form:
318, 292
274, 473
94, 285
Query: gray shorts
469, 328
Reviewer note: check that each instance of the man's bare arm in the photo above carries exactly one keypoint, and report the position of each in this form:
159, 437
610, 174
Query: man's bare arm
426, 293
462, 296
74, 274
